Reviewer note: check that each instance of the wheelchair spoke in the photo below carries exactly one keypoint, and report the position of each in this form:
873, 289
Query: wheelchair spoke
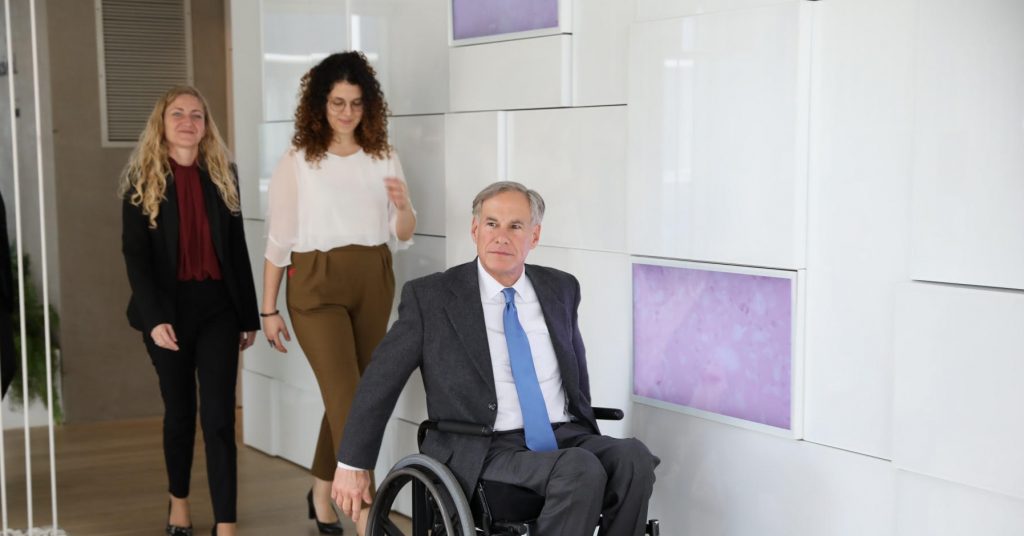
390, 529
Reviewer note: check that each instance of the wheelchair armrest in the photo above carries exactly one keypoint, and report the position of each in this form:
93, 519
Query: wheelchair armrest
608, 414
454, 427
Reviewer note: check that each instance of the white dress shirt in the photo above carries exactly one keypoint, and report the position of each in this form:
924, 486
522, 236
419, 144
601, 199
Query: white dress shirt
510, 415
339, 201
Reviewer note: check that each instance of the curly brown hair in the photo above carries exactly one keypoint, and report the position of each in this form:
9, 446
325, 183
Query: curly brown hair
313, 134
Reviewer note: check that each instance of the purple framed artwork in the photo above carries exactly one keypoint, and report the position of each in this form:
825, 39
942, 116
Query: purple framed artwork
717, 341
478, 21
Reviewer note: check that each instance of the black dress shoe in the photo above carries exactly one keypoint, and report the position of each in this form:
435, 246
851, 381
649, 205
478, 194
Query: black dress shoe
324, 528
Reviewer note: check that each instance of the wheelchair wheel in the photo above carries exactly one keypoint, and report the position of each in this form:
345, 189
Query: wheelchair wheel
447, 511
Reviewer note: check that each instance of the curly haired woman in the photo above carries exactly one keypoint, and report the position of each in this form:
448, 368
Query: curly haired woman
193, 295
337, 200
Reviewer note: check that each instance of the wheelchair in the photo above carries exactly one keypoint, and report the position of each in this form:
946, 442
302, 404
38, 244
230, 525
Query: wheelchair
440, 507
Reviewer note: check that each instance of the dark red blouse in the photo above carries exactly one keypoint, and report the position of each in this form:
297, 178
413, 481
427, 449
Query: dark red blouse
197, 260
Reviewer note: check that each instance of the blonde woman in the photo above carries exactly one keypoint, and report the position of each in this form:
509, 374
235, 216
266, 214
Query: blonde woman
193, 296
337, 199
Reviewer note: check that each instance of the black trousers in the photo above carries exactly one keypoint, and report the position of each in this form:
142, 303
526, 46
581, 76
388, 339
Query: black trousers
589, 477
208, 337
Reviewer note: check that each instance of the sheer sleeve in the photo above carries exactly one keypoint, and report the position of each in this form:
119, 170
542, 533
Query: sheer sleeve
395, 170
283, 210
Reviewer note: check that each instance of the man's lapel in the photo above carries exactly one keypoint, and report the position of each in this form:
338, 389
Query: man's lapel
558, 317
466, 313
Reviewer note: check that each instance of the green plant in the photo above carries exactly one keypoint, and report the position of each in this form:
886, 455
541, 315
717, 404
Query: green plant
35, 335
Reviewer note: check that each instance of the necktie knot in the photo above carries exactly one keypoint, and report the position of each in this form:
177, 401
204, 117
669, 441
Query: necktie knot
510, 295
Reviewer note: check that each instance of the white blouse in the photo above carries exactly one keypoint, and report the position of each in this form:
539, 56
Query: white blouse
337, 202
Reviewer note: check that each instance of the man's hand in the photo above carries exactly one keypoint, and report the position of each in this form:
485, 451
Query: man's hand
350, 490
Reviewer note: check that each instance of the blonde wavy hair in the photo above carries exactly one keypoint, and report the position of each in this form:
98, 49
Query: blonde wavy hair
144, 179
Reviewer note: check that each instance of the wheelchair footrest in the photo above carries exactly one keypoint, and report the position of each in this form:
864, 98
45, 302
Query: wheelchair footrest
511, 529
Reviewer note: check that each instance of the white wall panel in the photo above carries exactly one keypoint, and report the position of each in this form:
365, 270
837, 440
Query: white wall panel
299, 416
861, 106
475, 156
938, 508
246, 84
407, 41
259, 416
600, 47
296, 35
274, 140
576, 159
718, 480
667, 9
968, 161
959, 408
605, 323
526, 73
717, 136
419, 141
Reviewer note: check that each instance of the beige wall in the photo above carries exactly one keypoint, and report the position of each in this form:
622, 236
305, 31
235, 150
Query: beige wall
107, 374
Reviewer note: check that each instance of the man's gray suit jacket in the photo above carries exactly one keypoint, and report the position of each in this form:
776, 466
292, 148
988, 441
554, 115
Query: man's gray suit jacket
441, 330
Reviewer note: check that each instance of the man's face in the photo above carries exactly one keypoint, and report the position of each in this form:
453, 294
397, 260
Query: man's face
504, 234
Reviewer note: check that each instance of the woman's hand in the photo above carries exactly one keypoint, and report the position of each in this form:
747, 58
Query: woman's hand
246, 339
163, 336
398, 193
274, 329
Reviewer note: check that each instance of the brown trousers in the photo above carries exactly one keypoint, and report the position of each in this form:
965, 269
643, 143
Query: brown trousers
340, 302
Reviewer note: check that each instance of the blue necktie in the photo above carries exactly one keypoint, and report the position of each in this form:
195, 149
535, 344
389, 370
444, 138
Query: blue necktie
536, 425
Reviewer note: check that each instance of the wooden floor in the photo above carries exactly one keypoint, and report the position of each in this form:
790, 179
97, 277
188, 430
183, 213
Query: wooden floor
111, 481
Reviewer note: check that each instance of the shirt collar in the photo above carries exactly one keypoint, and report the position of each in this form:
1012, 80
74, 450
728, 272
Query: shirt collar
490, 288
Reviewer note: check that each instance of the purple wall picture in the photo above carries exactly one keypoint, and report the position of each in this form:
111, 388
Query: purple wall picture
715, 340
485, 18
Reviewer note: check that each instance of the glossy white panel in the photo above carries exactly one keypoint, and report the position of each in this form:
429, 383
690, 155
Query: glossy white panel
258, 412
605, 318
717, 136
475, 156
576, 159
407, 42
419, 141
716, 479
299, 414
667, 9
296, 35
246, 86
426, 256
527, 73
600, 47
861, 105
275, 139
968, 194
959, 409
939, 508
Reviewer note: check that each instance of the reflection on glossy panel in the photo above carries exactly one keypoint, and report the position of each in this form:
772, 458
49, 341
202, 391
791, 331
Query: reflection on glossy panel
475, 156
604, 322
407, 42
717, 137
419, 141
275, 139
939, 508
968, 204
426, 256
958, 406
295, 36
722, 480
667, 9
576, 159
527, 73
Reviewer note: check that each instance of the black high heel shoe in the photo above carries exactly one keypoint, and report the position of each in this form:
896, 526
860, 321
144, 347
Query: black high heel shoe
324, 528
174, 530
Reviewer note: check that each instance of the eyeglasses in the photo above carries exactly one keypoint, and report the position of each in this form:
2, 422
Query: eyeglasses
337, 106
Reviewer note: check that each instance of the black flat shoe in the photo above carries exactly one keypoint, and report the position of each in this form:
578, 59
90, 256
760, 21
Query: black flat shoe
174, 530
324, 528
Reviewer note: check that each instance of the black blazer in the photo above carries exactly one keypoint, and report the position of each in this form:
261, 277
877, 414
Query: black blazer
151, 258
441, 331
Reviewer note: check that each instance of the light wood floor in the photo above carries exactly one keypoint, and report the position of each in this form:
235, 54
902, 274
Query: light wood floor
111, 481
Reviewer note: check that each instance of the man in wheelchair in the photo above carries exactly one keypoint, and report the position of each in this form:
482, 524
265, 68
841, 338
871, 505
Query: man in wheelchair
497, 343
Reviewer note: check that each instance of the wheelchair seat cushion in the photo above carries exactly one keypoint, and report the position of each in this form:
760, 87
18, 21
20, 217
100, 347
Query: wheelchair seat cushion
508, 502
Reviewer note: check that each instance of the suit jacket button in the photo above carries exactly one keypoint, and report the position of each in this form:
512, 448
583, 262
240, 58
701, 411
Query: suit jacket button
492, 406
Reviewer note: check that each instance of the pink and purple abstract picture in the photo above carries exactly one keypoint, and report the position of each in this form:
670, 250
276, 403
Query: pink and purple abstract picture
715, 341
484, 18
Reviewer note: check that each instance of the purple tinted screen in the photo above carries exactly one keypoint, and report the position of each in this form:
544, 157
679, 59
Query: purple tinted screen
715, 341
481, 18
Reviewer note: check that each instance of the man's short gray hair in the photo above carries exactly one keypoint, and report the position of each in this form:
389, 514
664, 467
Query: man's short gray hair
536, 201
